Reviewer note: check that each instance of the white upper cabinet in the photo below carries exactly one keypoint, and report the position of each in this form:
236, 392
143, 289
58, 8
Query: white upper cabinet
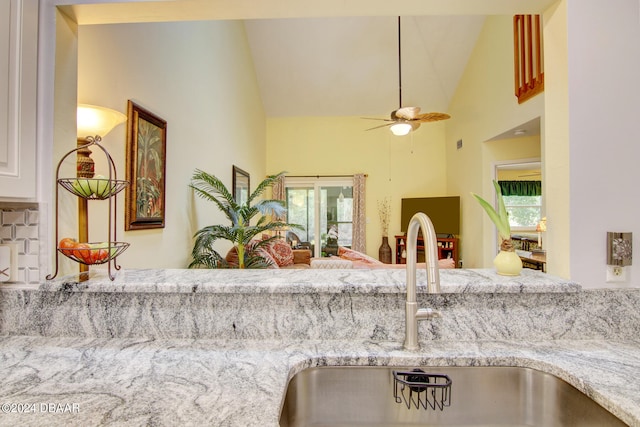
18, 81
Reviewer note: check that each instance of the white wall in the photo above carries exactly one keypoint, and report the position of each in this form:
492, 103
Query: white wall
603, 67
199, 77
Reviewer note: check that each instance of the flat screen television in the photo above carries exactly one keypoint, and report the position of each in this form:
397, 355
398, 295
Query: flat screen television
444, 213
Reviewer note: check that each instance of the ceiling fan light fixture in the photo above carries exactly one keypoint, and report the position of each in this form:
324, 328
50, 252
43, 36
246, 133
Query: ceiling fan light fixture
400, 128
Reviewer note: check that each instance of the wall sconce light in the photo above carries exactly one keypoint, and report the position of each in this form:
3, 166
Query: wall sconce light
93, 124
619, 255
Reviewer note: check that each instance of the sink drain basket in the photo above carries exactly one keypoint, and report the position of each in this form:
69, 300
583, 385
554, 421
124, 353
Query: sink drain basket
422, 390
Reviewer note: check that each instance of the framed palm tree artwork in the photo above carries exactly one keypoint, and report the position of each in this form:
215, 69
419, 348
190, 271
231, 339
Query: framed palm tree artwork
146, 169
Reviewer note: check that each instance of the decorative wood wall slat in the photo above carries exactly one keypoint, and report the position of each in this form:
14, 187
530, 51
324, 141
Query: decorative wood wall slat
528, 57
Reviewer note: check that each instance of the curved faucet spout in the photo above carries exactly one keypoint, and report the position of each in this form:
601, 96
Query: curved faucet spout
420, 221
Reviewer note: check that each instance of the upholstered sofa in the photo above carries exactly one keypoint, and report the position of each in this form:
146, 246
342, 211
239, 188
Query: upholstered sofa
280, 255
348, 258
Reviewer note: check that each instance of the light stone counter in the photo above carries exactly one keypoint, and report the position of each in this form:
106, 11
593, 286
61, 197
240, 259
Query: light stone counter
308, 281
129, 382
193, 347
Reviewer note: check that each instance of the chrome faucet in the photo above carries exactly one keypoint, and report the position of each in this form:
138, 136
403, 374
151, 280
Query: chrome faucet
412, 312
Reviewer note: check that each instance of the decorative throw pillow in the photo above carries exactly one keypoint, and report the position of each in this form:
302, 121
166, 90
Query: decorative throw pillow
232, 257
281, 252
267, 256
350, 254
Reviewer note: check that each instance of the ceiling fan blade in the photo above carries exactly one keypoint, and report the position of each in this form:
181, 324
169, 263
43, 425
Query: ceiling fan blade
381, 126
376, 118
407, 113
432, 117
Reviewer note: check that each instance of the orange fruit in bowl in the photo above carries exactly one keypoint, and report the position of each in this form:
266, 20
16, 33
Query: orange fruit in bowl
82, 252
67, 245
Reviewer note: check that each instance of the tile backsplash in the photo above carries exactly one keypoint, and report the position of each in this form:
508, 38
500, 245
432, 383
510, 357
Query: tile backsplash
20, 226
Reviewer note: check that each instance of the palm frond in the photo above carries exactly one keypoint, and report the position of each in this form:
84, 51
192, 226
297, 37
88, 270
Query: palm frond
208, 258
256, 261
271, 207
266, 183
246, 213
211, 188
217, 232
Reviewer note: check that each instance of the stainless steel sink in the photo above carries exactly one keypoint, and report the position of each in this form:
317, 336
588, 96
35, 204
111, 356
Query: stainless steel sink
479, 396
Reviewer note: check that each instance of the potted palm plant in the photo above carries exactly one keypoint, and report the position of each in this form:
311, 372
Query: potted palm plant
240, 231
507, 262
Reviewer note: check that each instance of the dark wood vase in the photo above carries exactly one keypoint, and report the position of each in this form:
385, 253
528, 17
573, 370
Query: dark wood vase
384, 253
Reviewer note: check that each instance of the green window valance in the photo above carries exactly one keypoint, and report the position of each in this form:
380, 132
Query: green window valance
521, 188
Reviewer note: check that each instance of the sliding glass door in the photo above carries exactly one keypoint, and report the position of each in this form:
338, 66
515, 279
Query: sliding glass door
324, 209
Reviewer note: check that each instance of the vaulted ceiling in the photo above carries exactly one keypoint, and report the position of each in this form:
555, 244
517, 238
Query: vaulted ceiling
336, 58
349, 65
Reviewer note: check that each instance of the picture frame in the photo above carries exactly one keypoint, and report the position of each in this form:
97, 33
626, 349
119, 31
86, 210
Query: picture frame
146, 169
241, 185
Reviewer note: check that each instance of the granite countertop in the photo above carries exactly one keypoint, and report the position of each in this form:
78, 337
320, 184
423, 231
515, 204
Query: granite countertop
203, 347
83, 381
383, 280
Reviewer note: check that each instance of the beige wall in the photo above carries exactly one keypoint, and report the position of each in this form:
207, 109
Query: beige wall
199, 77
483, 107
520, 175
408, 166
64, 136
557, 149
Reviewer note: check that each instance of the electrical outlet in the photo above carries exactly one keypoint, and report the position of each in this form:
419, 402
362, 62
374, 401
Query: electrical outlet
616, 273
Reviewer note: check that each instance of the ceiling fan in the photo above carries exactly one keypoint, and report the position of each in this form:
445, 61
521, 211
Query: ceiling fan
405, 119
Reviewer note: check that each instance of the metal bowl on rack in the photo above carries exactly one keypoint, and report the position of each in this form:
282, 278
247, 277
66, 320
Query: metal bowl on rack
94, 253
93, 188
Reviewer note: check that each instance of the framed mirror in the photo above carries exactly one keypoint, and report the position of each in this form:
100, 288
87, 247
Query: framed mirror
240, 185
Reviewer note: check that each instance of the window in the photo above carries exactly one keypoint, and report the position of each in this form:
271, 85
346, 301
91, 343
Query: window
324, 209
523, 201
524, 211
